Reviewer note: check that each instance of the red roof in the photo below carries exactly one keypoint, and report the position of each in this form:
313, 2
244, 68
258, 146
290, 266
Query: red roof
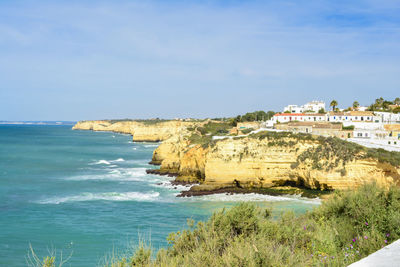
298, 114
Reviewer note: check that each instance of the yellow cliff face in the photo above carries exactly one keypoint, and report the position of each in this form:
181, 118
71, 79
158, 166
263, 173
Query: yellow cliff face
160, 131
168, 154
151, 131
192, 165
252, 162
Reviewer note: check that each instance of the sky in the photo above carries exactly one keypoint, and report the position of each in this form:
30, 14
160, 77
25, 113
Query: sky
80, 60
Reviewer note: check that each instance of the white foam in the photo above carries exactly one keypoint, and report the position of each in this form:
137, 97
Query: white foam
155, 145
170, 186
108, 196
116, 174
253, 197
102, 161
107, 162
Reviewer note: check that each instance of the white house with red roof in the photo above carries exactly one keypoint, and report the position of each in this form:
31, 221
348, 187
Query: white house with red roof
287, 117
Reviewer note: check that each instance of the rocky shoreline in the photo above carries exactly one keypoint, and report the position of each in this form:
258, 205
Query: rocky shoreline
203, 190
264, 163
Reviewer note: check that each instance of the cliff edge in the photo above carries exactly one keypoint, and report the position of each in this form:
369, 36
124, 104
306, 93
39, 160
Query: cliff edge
271, 159
141, 131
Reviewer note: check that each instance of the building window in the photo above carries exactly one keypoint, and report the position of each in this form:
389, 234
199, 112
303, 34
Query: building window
356, 118
366, 134
367, 118
346, 118
359, 134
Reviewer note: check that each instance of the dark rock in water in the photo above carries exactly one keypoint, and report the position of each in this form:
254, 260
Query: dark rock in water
160, 172
203, 190
181, 183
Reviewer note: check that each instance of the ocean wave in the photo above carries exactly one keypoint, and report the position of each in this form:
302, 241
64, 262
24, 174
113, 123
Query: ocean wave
170, 186
117, 174
108, 196
253, 197
154, 145
102, 161
106, 162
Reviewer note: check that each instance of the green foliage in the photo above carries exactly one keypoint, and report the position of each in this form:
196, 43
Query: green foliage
246, 131
253, 116
330, 153
345, 228
381, 104
333, 104
333, 152
384, 156
350, 127
203, 135
396, 110
275, 136
141, 257
53, 260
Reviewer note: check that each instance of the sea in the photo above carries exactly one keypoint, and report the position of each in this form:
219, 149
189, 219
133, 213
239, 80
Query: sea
86, 196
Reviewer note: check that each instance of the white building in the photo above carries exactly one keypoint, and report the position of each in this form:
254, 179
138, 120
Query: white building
287, 117
362, 108
293, 109
388, 117
313, 106
363, 116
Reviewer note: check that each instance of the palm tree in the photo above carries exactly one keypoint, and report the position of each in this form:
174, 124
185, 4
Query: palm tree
379, 102
355, 104
397, 101
334, 104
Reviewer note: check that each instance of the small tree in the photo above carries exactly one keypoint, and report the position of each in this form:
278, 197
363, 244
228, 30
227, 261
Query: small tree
379, 102
321, 111
334, 104
356, 105
397, 101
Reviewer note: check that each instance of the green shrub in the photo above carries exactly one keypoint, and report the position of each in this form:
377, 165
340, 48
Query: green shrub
246, 131
344, 229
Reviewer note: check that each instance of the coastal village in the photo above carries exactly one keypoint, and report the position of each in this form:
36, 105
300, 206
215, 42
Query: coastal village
377, 128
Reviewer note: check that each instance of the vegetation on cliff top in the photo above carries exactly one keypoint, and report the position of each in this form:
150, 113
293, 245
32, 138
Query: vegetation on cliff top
203, 134
252, 116
344, 229
330, 152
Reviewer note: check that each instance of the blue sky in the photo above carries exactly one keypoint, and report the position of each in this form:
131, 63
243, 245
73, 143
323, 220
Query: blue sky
75, 60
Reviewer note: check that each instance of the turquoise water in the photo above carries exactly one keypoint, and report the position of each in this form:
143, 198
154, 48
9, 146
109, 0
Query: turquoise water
87, 193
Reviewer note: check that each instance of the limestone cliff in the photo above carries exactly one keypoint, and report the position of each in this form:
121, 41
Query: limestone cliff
151, 131
267, 161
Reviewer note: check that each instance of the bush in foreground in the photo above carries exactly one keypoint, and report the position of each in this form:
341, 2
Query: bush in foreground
345, 228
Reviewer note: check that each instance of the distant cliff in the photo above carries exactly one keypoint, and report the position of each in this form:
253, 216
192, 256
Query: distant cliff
141, 131
269, 159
